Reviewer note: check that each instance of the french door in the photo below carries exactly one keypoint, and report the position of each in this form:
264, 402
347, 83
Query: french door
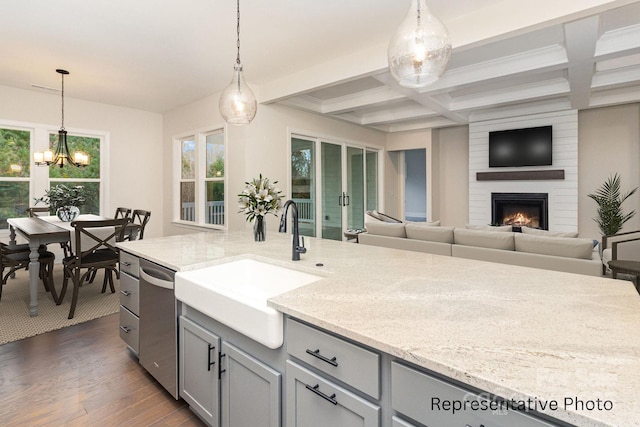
334, 199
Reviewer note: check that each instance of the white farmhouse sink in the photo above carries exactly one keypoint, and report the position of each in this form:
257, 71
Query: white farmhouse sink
236, 294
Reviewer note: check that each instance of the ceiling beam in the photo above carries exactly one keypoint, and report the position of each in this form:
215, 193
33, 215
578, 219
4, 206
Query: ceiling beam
581, 38
362, 99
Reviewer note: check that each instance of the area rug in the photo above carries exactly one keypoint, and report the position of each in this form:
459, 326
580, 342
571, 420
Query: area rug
16, 324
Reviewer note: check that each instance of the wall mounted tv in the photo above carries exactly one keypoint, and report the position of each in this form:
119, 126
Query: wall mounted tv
520, 147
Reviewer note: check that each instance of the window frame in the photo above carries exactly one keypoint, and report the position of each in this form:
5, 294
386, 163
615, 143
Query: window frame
200, 139
39, 180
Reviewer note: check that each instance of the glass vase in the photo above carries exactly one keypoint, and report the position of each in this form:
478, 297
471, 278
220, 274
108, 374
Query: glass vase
67, 213
259, 229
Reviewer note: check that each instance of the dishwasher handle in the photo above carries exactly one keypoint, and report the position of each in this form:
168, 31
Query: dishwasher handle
156, 277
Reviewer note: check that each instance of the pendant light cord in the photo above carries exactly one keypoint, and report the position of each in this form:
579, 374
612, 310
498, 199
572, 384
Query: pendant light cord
62, 126
238, 33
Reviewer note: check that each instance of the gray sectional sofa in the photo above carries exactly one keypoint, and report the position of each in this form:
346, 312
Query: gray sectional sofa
531, 248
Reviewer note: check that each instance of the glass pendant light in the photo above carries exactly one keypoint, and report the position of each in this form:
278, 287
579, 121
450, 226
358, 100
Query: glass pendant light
420, 49
237, 103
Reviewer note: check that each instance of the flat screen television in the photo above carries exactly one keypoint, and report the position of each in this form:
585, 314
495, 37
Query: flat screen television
520, 147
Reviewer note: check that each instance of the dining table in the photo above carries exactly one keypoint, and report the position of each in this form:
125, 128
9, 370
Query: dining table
43, 230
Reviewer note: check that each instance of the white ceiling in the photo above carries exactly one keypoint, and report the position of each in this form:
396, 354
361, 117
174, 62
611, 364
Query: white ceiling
327, 56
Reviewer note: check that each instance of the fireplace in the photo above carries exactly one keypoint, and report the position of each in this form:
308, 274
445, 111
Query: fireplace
520, 209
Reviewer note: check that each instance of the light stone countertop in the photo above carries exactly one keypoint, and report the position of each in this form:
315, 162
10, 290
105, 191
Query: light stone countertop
520, 333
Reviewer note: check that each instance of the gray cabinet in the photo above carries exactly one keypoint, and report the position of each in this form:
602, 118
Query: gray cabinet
424, 398
223, 384
250, 390
349, 363
199, 370
129, 301
313, 401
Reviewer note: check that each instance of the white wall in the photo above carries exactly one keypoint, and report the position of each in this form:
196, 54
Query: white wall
135, 144
563, 194
260, 147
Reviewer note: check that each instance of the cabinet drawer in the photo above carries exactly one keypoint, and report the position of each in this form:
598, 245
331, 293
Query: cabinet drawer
130, 264
398, 422
347, 362
429, 401
129, 329
312, 401
129, 295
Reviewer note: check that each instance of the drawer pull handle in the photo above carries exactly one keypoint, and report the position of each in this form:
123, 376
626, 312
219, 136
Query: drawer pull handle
125, 293
125, 329
321, 394
210, 362
126, 263
317, 354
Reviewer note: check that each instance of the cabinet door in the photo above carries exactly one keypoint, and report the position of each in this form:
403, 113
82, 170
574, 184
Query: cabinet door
313, 401
250, 390
199, 370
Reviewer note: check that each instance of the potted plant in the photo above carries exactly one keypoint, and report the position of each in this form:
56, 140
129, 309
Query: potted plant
609, 199
65, 200
259, 198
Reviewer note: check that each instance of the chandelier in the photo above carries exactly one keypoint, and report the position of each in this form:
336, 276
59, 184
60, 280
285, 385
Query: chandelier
420, 49
62, 155
237, 103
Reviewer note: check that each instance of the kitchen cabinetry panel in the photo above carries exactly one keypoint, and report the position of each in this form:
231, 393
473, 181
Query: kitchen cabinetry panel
129, 264
130, 329
313, 401
250, 390
199, 370
352, 364
398, 422
429, 401
129, 293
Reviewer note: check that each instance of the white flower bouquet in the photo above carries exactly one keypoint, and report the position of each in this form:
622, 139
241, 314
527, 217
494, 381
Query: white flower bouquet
259, 198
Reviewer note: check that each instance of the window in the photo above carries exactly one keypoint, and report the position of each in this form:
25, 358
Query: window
21, 181
15, 149
200, 179
88, 177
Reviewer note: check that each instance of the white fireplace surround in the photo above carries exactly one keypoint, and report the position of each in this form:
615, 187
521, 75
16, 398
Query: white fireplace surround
563, 193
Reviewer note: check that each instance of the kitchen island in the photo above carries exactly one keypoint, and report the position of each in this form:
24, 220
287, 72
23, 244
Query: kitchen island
522, 334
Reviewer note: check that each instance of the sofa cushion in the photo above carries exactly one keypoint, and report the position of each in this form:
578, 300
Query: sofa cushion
536, 231
433, 234
425, 224
485, 239
386, 229
505, 228
570, 247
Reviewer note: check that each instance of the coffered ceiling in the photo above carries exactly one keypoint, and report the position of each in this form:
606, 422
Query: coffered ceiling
327, 57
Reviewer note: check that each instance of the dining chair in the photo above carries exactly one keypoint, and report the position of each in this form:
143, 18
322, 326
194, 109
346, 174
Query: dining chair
94, 249
141, 218
15, 258
122, 213
38, 211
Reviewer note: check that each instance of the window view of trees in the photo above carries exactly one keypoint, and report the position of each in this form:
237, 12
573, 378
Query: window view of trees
15, 149
88, 176
16, 172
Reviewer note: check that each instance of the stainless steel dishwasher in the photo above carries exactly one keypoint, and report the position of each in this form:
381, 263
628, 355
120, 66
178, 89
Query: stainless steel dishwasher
158, 325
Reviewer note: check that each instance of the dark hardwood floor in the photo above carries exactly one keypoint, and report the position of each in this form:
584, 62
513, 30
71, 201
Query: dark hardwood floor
79, 376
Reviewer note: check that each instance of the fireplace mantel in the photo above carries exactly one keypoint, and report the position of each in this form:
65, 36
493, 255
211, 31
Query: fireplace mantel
520, 175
